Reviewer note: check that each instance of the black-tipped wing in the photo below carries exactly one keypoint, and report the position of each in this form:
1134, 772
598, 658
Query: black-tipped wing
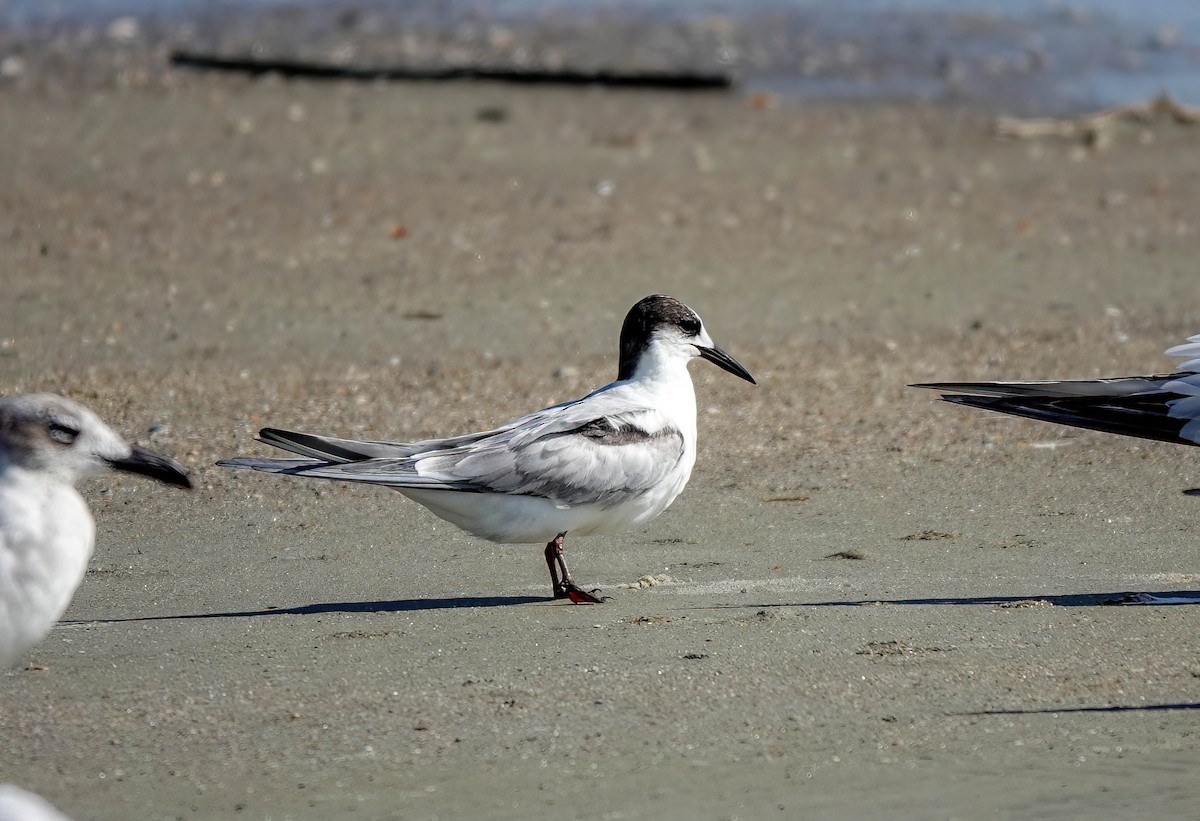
1164, 407
1116, 386
1147, 416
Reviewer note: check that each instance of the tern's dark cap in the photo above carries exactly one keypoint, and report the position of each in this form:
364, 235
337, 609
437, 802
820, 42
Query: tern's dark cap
647, 316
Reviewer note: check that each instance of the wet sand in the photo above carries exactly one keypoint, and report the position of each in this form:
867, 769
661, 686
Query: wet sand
198, 260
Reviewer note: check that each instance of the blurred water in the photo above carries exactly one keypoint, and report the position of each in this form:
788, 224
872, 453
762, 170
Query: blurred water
1023, 55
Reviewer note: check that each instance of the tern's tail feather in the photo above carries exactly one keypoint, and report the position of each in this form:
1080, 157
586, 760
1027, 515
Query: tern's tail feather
321, 452
331, 449
1146, 416
270, 465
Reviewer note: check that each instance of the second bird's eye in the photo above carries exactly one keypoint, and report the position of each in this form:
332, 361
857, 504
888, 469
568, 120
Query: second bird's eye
691, 327
63, 433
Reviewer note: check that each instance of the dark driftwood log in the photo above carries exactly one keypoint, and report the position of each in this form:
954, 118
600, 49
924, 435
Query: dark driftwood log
685, 80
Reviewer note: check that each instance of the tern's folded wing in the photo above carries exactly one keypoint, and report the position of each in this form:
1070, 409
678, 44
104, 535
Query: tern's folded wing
566, 456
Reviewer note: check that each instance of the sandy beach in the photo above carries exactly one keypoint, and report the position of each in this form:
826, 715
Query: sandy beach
866, 604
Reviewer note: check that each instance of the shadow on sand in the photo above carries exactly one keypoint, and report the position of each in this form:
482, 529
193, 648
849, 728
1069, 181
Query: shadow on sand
1122, 598
1112, 708
395, 606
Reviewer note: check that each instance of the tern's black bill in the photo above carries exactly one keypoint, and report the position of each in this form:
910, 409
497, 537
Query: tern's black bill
148, 463
726, 362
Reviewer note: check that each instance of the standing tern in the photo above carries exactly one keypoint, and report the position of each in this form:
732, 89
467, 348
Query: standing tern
1165, 407
47, 443
605, 463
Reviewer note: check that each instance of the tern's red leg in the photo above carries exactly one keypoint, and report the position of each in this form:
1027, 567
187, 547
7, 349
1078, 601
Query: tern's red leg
553, 551
560, 577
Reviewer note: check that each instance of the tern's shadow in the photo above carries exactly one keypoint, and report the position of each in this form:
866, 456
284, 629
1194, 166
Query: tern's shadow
393, 606
1121, 598
1111, 708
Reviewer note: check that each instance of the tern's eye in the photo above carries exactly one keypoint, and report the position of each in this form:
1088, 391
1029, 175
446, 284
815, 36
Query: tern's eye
62, 432
691, 327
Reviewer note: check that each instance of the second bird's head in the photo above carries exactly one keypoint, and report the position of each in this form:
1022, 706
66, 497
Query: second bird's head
51, 434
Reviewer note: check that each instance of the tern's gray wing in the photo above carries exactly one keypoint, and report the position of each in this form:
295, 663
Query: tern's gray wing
593, 451
324, 449
1164, 407
602, 460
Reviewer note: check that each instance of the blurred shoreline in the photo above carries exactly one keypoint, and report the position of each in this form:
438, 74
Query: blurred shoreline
1028, 57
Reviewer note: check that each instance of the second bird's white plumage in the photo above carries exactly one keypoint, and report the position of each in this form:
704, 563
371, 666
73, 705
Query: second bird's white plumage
47, 443
46, 538
17, 804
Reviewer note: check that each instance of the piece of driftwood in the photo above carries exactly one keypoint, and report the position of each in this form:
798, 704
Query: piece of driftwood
1092, 127
684, 79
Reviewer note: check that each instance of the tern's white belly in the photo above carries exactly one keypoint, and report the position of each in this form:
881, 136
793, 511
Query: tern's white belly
534, 520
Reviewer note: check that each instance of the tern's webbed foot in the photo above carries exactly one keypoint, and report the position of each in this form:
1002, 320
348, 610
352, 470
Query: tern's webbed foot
577, 595
554, 559
560, 577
